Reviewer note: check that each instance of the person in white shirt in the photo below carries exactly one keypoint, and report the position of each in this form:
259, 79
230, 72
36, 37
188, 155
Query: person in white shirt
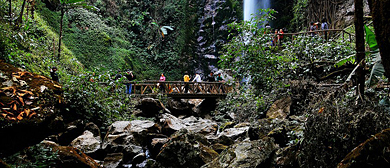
197, 78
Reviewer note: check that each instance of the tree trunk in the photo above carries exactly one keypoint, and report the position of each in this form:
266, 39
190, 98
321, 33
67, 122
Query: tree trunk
360, 49
60, 38
21, 13
381, 17
10, 12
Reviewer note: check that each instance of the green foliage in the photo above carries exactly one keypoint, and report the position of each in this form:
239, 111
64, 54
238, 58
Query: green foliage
315, 49
299, 21
32, 47
249, 54
96, 97
34, 156
246, 106
374, 58
370, 39
313, 52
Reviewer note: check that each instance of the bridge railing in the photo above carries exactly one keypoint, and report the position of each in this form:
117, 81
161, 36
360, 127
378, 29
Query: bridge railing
178, 87
320, 32
317, 32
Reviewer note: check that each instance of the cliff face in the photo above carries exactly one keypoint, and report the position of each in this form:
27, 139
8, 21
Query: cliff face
212, 33
345, 13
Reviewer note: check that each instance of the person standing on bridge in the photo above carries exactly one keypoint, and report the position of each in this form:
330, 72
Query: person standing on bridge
130, 76
220, 79
197, 78
324, 26
162, 85
313, 27
186, 80
210, 77
276, 38
280, 36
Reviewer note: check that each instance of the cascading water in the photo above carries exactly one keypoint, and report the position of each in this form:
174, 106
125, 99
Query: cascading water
253, 6
251, 9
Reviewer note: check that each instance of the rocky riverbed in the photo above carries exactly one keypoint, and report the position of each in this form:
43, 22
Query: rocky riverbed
185, 133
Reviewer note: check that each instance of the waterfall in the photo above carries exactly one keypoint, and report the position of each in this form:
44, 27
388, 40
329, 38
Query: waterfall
253, 6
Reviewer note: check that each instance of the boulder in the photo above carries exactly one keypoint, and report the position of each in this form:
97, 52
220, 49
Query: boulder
156, 145
130, 151
234, 132
87, 142
200, 125
172, 124
93, 128
150, 107
119, 127
280, 109
128, 137
122, 133
230, 134
185, 149
288, 157
180, 107
218, 147
374, 152
259, 153
206, 106
139, 158
113, 160
72, 131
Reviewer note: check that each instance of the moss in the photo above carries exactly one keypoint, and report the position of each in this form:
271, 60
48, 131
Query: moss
207, 154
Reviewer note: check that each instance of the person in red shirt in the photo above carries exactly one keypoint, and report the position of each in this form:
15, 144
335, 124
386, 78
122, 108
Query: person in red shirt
280, 36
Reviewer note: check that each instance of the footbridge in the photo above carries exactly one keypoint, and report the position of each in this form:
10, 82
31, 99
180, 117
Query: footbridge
180, 89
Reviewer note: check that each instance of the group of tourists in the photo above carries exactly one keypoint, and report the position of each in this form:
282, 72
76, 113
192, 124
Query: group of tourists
314, 27
197, 78
277, 37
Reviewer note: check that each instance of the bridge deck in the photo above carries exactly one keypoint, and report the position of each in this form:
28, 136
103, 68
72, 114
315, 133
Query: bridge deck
184, 96
180, 89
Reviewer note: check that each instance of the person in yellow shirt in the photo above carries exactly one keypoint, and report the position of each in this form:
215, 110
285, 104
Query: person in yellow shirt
186, 80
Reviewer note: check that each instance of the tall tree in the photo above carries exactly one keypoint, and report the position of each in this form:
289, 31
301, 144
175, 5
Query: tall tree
360, 49
10, 11
60, 38
21, 13
65, 5
381, 17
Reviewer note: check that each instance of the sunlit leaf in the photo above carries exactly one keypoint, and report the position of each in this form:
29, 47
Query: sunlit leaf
164, 29
370, 39
14, 107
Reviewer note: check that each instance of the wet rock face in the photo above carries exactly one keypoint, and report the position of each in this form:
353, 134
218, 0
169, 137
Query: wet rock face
185, 149
214, 17
113, 160
180, 107
150, 107
346, 13
171, 124
374, 152
122, 133
87, 143
259, 153
280, 109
